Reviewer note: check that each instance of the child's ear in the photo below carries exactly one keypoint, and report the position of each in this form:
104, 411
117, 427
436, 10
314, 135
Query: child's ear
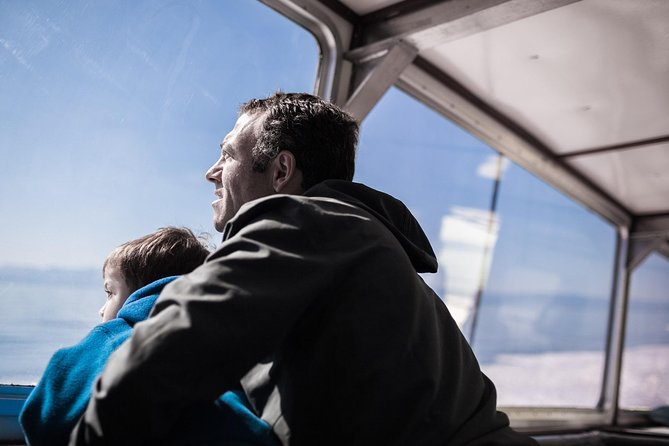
286, 177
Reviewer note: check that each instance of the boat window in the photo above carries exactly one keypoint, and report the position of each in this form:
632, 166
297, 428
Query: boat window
645, 368
541, 332
525, 271
111, 112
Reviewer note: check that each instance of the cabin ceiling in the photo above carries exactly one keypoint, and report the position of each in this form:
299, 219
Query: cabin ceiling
575, 91
589, 80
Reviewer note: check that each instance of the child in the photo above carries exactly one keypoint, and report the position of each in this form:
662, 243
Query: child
137, 263
134, 274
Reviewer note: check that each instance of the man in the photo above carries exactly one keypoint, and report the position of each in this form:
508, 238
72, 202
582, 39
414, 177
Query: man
312, 301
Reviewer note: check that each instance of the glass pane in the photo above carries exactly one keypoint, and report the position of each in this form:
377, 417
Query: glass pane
644, 383
445, 176
541, 325
111, 112
541, 331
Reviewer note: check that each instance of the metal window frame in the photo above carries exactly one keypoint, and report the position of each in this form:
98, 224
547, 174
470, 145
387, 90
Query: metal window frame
12, 398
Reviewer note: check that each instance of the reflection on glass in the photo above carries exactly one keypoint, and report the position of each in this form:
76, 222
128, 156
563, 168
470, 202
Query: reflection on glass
644, 381
111, 112
467, 239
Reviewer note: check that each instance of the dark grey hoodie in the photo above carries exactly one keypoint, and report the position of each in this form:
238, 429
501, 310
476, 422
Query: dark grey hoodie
314, 303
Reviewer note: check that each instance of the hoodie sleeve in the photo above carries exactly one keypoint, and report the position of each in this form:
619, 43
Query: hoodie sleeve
59, 399
211, 326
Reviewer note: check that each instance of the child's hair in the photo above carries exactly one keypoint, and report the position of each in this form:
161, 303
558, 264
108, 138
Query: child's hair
167, 252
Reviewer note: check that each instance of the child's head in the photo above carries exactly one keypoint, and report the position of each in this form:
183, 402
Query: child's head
166, 252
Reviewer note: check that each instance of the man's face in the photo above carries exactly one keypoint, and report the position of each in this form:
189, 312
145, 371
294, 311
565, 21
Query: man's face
236, 182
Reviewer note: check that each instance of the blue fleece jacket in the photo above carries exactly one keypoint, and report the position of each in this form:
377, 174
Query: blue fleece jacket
55, 405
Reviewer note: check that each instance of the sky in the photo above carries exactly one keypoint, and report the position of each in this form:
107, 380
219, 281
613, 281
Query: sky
111, 112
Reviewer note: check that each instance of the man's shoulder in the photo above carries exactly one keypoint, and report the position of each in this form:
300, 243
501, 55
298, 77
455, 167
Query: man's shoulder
281, 209
339, 209
327, 195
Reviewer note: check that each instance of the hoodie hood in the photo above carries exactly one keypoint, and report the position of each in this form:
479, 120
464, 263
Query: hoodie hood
390, 211
138, 306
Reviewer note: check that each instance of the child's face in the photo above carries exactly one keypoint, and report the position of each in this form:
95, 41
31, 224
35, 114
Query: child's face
117, 292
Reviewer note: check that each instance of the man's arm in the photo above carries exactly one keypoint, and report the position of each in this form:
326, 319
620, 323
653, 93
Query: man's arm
210, 327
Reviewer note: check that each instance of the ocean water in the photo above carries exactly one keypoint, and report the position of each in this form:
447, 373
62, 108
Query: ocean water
39, 315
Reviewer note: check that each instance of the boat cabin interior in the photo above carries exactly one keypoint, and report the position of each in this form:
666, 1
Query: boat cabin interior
559, 273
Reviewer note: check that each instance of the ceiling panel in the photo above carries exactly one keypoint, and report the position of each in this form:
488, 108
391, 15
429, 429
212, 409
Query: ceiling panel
362, 7
638, 178
591, 74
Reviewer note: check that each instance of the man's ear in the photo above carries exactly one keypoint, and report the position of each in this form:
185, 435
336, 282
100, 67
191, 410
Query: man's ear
286, 177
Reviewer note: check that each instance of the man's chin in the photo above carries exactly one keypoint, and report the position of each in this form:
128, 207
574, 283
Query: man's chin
218, 225
219, 218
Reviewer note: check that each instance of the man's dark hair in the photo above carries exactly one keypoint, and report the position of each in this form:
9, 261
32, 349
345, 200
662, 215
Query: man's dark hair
167, 252
320, 135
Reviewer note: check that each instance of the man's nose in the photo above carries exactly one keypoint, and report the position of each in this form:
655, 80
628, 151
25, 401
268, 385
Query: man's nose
212, 173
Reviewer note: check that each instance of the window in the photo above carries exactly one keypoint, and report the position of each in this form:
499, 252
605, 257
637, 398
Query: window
542, 327
111, 114
644, 383
525, 271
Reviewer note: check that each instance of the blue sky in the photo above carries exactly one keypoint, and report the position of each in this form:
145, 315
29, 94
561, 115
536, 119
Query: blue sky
112, 112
